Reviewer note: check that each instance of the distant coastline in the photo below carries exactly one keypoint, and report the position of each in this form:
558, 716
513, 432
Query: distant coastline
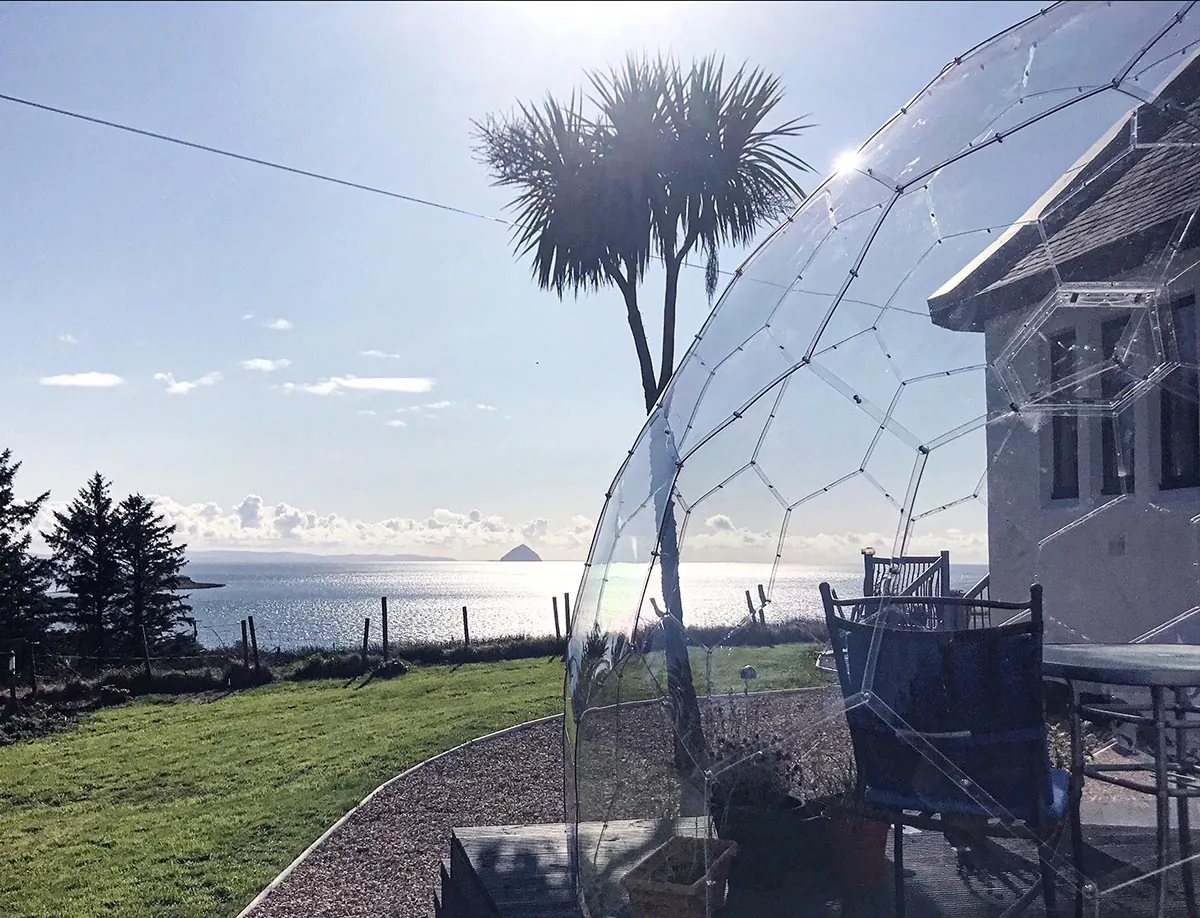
237, 556
183, 582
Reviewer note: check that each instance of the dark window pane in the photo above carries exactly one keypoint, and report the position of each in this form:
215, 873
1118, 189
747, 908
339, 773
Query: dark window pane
1116, 431
1064, 429
1180, 406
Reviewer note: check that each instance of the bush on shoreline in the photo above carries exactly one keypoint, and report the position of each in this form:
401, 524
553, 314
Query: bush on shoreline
198, 670
221, 670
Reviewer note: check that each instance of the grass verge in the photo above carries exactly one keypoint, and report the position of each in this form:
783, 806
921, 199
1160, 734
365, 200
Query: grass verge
785, 666
186, 807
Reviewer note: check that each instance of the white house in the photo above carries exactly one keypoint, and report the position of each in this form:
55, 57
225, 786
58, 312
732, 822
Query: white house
1088, 311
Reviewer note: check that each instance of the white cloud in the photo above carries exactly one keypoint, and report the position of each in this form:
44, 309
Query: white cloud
280, 324
248, 512
375, 353
68, 339
265, 365
90, 380
336, 384
246, 317
395, 423
483, 407
438, 406
366, 413
254, 524
183, 386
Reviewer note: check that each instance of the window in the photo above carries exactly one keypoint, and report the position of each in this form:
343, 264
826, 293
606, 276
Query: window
1179, 411
1064, 429
1116, 430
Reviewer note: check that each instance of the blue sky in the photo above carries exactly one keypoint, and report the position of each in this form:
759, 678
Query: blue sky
273, 293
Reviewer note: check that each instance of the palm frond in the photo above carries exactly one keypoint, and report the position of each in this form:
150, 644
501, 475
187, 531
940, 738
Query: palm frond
574, 210
730, 176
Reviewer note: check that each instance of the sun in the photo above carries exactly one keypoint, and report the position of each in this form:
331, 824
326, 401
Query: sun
847, 161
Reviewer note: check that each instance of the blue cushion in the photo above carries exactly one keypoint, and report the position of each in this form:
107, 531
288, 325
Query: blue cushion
1060, 781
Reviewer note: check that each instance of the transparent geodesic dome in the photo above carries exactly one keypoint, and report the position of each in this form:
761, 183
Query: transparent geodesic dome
966, 365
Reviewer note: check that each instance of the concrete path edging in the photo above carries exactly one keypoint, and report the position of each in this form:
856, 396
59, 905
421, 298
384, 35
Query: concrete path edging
257, 900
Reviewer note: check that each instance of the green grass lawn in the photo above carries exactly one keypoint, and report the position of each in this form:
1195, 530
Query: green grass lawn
183, 807
782, 666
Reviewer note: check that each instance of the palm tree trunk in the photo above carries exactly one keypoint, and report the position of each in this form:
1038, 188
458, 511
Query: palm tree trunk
689, 747
670, 295
691, 751
628, 288
691, 754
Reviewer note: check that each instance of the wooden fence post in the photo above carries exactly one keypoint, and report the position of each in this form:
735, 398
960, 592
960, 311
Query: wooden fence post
366, 638
254, 645
12, 680
567, 613
383, 613
466, 629
557, 628
245, 647
762, 608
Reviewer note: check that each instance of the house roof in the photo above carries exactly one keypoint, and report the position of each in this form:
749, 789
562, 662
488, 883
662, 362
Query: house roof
1120, 204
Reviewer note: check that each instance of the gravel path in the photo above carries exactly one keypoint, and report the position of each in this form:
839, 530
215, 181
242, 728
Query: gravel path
383, 861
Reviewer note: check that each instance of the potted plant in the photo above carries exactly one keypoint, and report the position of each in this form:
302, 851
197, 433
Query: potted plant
686, 877
756, 798
858, 843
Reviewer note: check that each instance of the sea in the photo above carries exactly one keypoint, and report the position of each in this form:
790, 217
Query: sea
323, 602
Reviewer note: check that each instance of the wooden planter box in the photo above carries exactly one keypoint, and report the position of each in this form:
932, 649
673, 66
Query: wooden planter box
652, 894
859, 848
774, 843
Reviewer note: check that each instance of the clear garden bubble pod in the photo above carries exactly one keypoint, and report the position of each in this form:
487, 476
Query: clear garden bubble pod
958, 385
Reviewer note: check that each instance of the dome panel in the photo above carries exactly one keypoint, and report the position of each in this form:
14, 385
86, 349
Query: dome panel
965, 366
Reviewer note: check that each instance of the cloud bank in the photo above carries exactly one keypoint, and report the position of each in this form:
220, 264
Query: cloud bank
253, 523
719, 538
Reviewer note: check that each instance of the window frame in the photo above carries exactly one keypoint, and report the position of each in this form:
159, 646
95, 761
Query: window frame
1064, 427
1111, 482
1169, 402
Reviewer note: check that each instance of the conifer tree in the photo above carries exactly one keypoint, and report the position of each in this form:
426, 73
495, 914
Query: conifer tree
150, 565
85, 542
25, 610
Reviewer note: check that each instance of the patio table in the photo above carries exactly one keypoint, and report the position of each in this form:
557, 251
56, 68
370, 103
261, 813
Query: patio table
1161, 668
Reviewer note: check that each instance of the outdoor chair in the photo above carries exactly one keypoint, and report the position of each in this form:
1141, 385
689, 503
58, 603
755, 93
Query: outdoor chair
949, 734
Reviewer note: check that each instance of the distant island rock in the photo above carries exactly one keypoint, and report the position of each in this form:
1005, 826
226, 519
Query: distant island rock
183, 582
521, 553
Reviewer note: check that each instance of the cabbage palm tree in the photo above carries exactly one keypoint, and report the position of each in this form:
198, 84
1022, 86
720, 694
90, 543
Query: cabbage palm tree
654, 165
